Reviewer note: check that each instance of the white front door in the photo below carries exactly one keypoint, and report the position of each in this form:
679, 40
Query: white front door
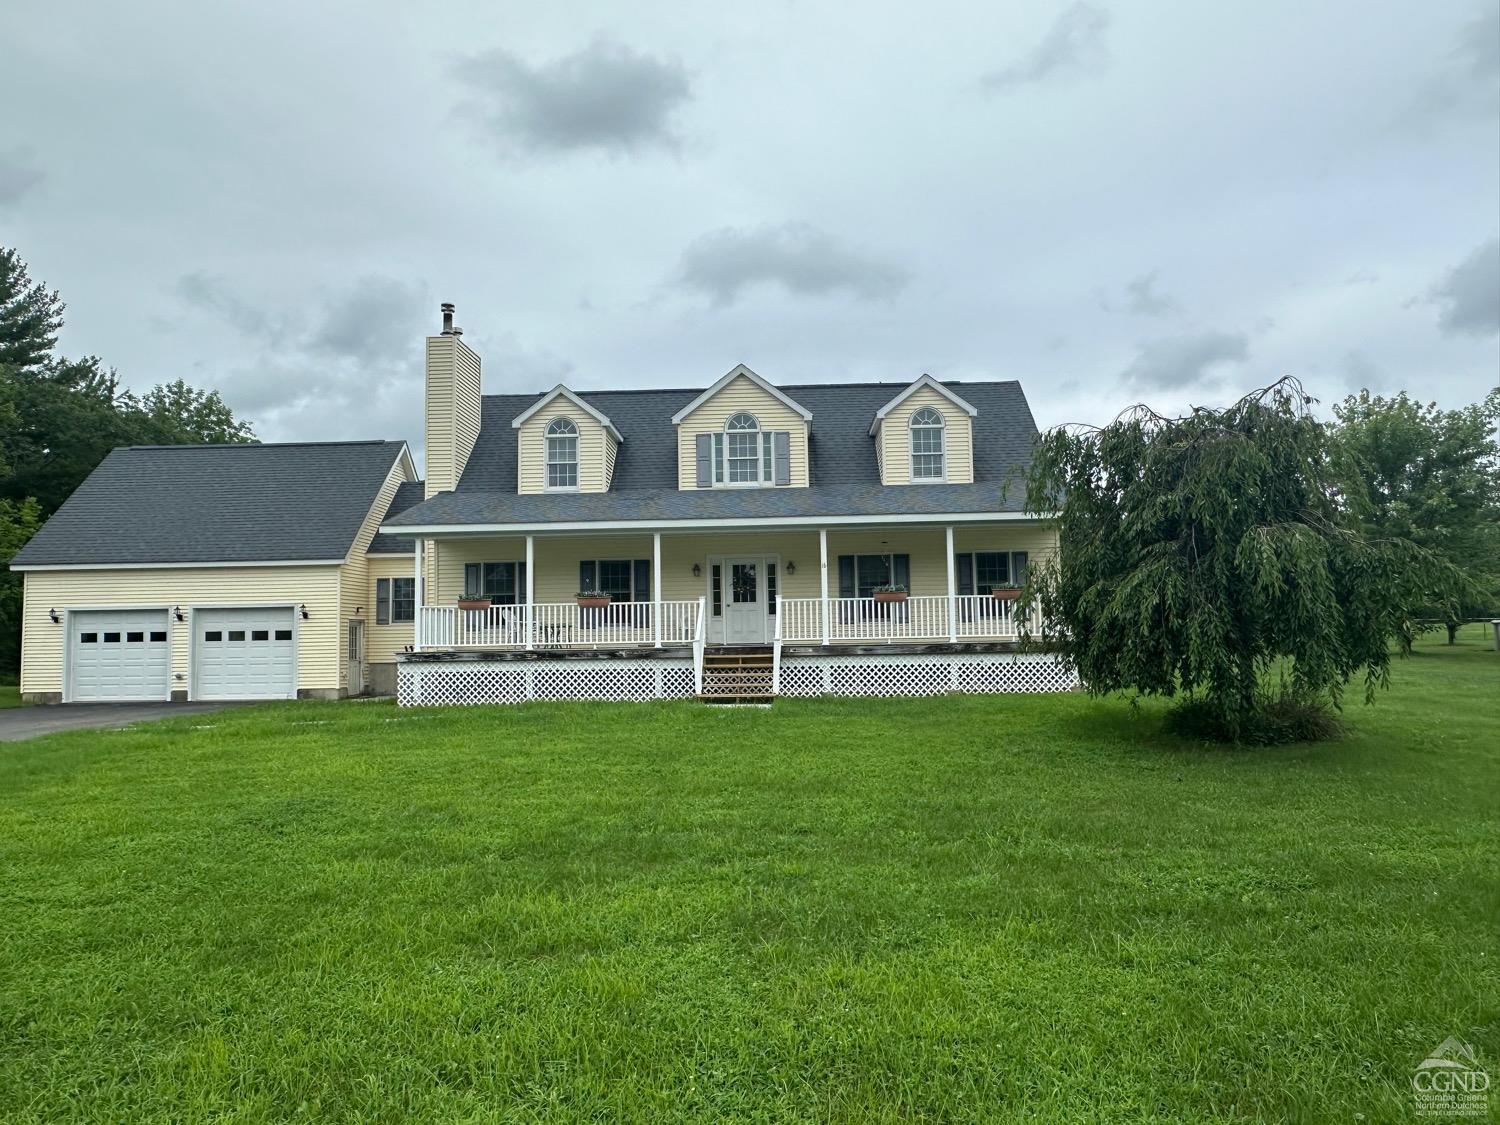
355, 657
745, 618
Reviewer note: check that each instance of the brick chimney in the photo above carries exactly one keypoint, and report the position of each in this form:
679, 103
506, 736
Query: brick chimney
453, 399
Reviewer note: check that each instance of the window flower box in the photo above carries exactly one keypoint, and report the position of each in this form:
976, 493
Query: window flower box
473, 603
1005, 593
591, 599
888, 595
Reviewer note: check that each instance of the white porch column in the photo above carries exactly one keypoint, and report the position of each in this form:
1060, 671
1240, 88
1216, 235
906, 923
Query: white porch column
421, 598
530, 587
952, 589
656, 586
823, 564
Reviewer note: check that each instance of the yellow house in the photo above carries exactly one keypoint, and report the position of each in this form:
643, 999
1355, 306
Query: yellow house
736, 541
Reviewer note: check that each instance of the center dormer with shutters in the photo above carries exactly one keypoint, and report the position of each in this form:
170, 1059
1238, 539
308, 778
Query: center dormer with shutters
742, 433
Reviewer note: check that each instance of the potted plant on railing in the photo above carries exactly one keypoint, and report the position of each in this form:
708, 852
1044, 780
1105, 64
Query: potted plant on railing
1007, 592
473, 601
591, 599
890, 592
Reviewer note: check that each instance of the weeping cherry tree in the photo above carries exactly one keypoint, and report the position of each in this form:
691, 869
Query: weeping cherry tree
1206, 556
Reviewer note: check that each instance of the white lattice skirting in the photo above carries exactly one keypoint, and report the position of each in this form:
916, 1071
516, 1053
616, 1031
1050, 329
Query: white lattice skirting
424, 684
925, 674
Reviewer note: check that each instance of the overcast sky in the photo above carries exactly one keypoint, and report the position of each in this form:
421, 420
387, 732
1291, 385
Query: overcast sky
1111, 202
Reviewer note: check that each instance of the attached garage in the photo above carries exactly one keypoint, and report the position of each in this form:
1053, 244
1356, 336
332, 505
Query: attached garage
119, 656
244, 654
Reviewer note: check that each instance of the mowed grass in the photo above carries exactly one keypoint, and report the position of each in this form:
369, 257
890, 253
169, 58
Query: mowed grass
955, 909
10, 696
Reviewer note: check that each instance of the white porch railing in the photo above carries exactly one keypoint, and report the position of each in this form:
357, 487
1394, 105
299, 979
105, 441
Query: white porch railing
927, 618
561, 625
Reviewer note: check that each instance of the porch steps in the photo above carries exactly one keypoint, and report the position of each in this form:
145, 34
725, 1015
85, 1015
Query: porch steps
737, 675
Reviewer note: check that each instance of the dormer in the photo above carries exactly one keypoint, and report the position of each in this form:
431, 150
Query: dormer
742, 433
564, 445
925, 435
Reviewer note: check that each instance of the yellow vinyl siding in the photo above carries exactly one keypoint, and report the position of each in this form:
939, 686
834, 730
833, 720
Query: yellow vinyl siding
611, 451
319, 639
453, 408
893, 440
354, 579
740, 394
382, 642
595, 459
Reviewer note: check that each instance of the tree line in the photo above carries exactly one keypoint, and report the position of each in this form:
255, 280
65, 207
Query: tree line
60, 416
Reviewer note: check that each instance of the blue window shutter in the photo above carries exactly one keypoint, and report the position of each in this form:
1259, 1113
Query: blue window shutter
473, 584
846, 576
520, 583
965, 574
586, 575
705, 449
643, 580
901, 570
382, 601
1018, 567
782, 442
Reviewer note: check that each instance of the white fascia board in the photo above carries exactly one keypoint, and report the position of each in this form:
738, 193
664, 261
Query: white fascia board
937, 518
924, 381
520, 419
176, 565
741, 369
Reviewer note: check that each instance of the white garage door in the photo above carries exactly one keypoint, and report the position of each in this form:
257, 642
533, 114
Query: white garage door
119, 655
244, 654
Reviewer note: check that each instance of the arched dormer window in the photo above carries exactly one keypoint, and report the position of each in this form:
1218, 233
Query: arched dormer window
562, 453
927, 445
743, 452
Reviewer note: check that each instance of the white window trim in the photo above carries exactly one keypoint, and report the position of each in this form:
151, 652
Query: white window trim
763, 465
547, 462
911, 451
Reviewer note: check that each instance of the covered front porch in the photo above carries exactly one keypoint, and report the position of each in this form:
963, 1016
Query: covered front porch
805, 586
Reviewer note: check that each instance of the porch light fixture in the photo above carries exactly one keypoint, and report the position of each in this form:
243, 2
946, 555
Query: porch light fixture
791, 567
56, 617
178, 614
302, 609
697, 571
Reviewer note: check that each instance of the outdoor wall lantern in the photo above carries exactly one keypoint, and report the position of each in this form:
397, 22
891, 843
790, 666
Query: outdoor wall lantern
178, 614
302, 609
791, 567
697, 571
56, 617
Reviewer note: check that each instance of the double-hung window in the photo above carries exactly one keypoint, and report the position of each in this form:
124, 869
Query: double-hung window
860, 574
504, 583
562, 453
927, 445
395, 600
743, 453
624, 580
983, 572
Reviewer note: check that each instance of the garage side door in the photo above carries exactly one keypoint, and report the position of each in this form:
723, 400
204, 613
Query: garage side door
117, 656
244, 654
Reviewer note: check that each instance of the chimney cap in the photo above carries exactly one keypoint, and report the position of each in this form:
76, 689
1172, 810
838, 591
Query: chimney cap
448, 329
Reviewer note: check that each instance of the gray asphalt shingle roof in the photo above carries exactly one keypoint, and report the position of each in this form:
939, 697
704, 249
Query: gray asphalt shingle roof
408, 494
844, 473
217, 504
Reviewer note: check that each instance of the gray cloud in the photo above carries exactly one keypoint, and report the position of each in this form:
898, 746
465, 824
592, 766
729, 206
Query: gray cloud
213, 293
798, 257
376, 318
1470, 294
1469, 85
605, 97
1074, 45
1173, 363
18, 176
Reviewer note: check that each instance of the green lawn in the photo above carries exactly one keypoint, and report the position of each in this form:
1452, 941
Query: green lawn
948, 909
10, 696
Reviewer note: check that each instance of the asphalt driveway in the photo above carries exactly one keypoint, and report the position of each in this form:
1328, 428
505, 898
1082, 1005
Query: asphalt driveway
18, 723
